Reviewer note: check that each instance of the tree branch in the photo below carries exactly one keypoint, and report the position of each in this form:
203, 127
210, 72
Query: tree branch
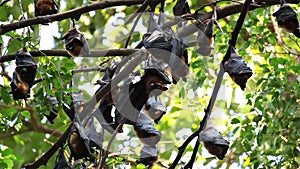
45, 157
64, 53
34, 124
13, 133
4, 2
69, 14
221, 13
183, 147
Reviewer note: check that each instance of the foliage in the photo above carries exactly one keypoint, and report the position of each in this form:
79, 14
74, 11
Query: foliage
262, 123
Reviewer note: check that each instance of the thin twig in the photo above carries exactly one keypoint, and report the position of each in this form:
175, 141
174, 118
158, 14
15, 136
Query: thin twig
109, 144
88, 69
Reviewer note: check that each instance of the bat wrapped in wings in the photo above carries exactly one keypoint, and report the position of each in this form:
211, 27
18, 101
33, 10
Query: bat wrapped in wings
45, 7
237, 69
287, 18
23, 76
214, 142
75, 42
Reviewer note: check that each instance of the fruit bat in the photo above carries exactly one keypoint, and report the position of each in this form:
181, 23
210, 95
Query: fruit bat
214, 142
287, 19
79, 142
158, 44
205, 39
149, 155
145, 130
163, 46
53, 111
181, 7
75, 42
178, 61
133, 96
23, 76
45, 7
237, 69
155, 109
106, 104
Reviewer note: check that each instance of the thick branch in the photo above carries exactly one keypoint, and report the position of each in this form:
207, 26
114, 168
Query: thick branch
60, 52
69, 14
222, 12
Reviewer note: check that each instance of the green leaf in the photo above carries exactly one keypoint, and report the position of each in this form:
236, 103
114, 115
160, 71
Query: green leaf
236, 129
5, 96
26, 114
257, 118
259, 139
235, 121
182, 93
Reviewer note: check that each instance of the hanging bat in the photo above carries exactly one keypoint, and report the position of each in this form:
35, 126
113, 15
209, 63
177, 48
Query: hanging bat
106, 104
75, 43
45, 7
149, 155
145, 130
23, 76
179, 64
205, 39
214, 142
133, 96
79, 143
76, 105
20, 89
155, 81
237, 69
181, 7
77, 146
287, 19
158, 44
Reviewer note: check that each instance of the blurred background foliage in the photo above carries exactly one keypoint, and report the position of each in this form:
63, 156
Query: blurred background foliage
262, 123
